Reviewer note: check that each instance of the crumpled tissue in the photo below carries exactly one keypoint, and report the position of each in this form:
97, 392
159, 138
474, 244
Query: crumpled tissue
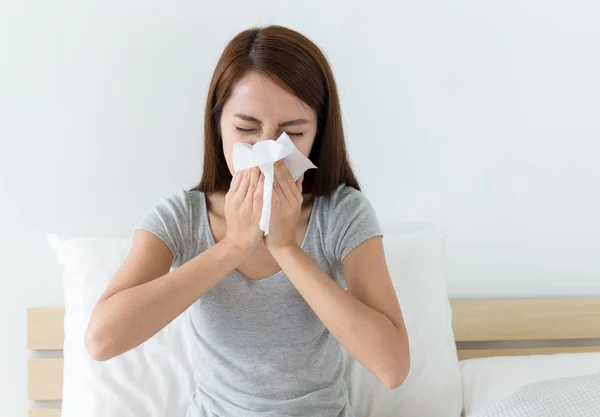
264, 154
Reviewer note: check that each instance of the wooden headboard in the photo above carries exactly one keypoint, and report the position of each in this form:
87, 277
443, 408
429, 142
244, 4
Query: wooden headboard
45, 375
482, 328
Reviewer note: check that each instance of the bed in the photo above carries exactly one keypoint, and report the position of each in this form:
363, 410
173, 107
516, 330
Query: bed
482, 328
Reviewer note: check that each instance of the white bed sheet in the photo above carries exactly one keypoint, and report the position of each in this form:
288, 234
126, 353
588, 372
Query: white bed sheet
575, 396
486, 381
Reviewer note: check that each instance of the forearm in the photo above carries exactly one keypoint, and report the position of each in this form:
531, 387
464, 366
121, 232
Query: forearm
368, 335
132, 316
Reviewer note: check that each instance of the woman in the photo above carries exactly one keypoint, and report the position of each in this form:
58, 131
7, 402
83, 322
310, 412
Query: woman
269, 313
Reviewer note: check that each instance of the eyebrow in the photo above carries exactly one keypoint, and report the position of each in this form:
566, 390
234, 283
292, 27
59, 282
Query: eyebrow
295, 122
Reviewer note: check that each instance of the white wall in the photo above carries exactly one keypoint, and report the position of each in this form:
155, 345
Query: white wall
480, 116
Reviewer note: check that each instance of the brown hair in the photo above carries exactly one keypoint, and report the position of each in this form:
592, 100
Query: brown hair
299, 66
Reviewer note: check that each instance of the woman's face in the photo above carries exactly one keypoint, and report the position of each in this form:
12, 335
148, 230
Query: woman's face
259, 109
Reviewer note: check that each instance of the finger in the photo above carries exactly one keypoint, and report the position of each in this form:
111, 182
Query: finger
235, 182
277, 172
279, 188
253, 183
287, 175
285, 171
292, 185
258, 195
243, 188
277, 191
299, 183
287, 190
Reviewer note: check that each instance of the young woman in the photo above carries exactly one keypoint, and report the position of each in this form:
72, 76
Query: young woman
268, 313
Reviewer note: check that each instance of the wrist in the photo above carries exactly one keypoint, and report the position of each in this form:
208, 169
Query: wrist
284, 250
234, 248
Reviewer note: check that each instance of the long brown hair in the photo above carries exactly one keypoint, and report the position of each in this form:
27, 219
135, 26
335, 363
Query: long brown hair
298, 65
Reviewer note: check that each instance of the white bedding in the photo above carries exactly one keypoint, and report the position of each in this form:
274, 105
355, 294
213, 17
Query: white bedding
154, 379
577, 396
486, 381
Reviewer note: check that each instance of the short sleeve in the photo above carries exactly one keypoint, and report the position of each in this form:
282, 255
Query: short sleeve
170, 221
352, 220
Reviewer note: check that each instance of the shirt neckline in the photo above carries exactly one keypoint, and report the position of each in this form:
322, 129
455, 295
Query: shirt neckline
211, 239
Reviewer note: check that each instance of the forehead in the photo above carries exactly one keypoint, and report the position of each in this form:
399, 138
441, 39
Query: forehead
259, 96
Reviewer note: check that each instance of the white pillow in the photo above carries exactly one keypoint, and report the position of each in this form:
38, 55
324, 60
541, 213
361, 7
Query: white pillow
416, 260
486, 381
153, 379
156, 379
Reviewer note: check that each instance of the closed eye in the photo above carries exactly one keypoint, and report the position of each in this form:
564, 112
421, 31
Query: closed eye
251, 131
246, 131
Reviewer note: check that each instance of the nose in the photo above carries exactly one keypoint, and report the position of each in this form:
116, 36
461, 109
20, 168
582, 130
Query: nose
268, 133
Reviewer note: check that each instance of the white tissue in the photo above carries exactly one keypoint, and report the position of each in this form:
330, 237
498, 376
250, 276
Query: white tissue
264, 154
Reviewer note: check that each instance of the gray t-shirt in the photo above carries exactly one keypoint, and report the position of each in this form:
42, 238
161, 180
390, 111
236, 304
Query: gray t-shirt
260, 350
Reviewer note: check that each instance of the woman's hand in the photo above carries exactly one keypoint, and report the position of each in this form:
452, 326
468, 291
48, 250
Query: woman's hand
243, 208
286, 206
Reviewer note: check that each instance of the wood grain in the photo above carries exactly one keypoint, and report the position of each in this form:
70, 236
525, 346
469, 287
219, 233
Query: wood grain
487, 353
45, 328
44, 412
526, 319
45, 379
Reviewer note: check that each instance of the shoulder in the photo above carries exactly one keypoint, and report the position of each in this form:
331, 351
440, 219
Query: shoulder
180, 200
173, 219
350, 220
179, 206
345, 199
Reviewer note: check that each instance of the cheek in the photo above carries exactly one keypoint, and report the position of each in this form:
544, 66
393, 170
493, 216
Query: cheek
228, 142
304, 145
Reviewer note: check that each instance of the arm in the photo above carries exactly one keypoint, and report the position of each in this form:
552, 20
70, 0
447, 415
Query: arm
143, 297
366, 319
